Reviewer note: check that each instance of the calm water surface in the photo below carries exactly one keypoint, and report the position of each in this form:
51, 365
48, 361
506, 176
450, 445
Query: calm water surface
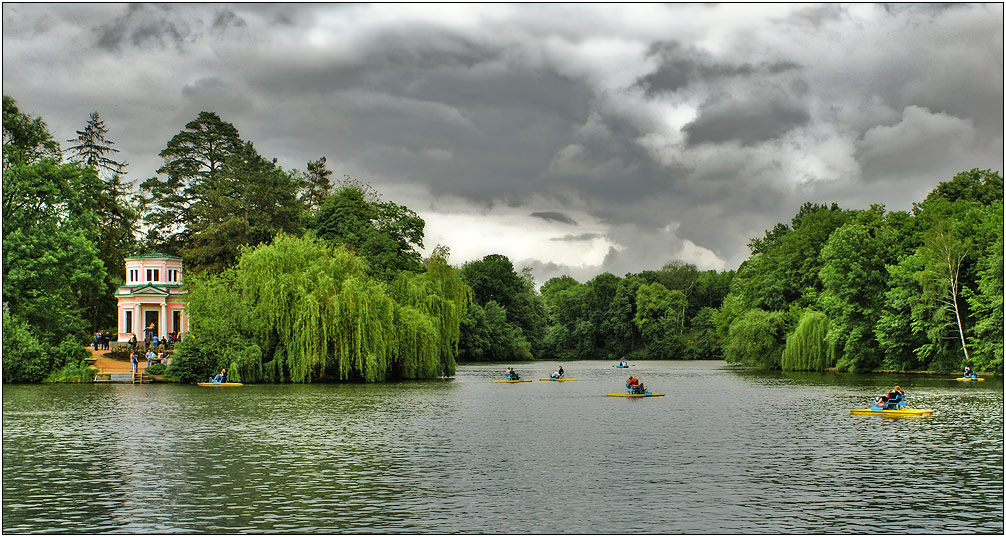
726, 451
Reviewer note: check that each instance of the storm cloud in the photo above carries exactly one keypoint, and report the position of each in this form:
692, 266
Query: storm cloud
553, 216
575, 139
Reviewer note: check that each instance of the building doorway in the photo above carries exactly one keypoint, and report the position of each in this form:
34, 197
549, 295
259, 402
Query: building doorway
148, 318
176, 321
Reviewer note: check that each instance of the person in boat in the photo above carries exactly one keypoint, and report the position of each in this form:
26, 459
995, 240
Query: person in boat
221, 377
622, 362
633, 384
554, 375
895, 396
561, 372
891, 400
969, 373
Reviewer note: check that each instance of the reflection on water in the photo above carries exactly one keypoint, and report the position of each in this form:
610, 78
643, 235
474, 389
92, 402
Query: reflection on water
726, 451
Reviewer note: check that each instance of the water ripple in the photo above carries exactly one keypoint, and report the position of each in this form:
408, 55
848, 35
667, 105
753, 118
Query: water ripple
725, 451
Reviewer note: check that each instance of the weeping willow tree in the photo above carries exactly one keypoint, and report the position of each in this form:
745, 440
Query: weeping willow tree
442, 297
220, 333
806, 348
320, 316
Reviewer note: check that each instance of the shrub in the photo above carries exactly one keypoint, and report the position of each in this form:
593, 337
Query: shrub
24, 358
69, 352
77, 372
156, 368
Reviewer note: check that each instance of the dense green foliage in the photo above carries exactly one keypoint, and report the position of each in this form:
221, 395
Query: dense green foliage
24, 357
666, 313
53, 276
26, 139
385, 234
902, 291
807, 348
507, 317
68, 361
757, 338
299, 310
217, 195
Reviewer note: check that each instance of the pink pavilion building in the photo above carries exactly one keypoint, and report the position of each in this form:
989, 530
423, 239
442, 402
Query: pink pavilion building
153, 293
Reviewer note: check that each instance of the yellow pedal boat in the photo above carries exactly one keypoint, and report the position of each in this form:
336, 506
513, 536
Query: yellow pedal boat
220, 384
511, 381
968, 379
633, 395
564, 379
899, 412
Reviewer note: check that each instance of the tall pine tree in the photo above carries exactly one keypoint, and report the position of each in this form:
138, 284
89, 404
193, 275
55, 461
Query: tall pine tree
93, 148
117, 217
193, 160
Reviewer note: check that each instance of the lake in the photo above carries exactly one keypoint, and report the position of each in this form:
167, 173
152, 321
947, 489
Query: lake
725, 451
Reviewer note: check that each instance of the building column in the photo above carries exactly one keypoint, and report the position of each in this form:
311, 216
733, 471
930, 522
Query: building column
137, 321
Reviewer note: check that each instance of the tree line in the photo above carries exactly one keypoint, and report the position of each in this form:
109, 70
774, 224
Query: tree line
294, 276
862, 290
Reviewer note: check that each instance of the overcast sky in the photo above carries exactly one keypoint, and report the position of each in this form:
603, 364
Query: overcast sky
575, 139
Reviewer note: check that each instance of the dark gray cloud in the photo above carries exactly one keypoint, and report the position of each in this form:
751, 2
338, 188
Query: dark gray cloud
143, 25
226, 18
553, 216
669, 132
681, 66
749, 119
577, 238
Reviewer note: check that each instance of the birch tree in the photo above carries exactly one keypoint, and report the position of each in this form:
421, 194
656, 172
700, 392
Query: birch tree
944, 256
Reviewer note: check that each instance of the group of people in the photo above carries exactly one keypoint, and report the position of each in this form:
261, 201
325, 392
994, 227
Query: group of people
634, 386
891, 400
558, 374
101, 340
134, 358
153, 342
969, 373
510, 374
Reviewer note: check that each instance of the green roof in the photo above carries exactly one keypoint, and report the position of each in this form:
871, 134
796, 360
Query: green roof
153, 255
